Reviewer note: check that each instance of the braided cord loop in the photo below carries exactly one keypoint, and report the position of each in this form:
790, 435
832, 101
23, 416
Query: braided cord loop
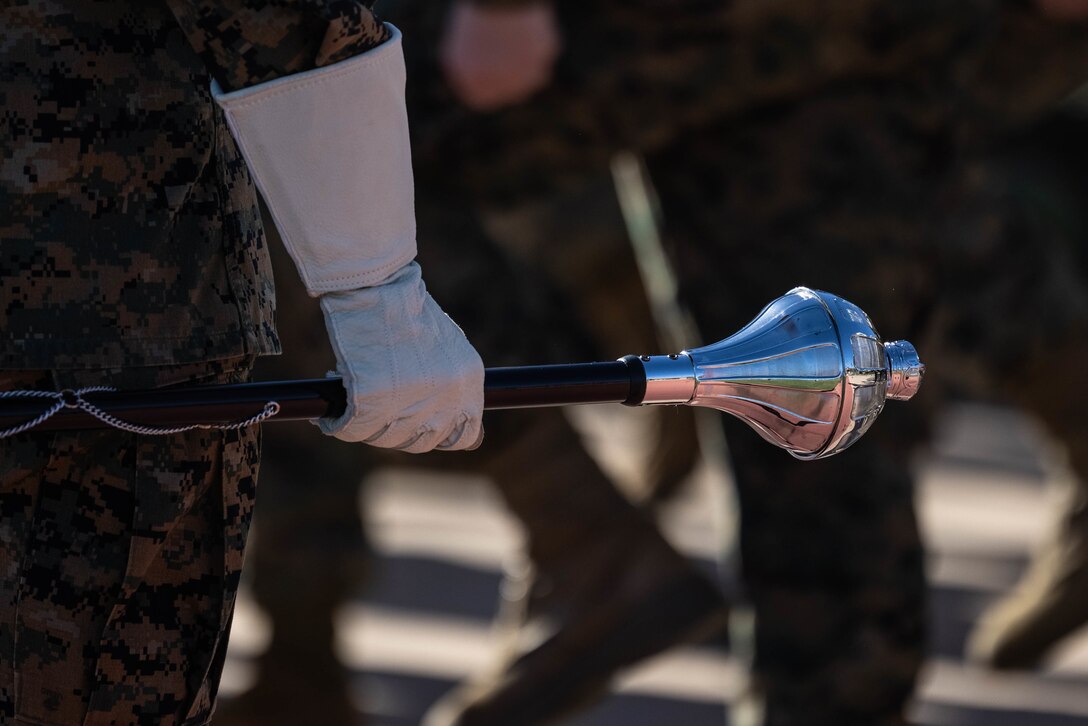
73, 398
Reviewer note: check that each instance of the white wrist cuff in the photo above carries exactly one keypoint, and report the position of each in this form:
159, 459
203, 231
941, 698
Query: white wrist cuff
329, 150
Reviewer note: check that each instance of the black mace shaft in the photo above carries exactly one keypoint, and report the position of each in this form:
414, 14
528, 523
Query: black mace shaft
621, 381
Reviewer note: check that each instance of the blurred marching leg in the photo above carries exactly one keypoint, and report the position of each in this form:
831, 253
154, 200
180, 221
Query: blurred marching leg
605, 590
600, 588
832, 563
1048, 604
1017, 283
831, 559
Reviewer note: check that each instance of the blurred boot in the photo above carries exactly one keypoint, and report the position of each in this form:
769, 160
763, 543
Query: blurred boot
605, 591
300, 681
602, 589
1048, 604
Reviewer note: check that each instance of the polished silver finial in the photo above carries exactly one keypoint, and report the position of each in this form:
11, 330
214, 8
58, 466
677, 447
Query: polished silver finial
809, 374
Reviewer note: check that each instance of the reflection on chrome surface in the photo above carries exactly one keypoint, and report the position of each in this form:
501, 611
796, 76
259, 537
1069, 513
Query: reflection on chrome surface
810, 374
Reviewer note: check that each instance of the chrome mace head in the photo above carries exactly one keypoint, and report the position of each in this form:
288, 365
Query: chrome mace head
809, 374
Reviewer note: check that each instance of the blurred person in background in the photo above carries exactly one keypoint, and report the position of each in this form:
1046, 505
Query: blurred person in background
788, 146
827, 147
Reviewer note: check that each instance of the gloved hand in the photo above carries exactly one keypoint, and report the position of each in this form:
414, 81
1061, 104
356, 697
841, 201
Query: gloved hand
414, 382
329, 151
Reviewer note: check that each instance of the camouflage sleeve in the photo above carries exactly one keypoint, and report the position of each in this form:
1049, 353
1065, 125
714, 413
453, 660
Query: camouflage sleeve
245, 42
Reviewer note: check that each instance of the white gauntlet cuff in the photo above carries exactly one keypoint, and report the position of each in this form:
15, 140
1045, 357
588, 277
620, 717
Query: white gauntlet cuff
329, 150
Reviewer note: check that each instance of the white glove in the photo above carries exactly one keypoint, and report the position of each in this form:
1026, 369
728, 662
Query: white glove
399, 347
329, 151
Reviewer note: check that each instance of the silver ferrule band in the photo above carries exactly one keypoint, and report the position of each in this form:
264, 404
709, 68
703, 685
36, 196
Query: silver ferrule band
669, 378
905, 370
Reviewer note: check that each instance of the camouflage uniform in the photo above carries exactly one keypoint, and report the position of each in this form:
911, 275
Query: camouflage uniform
791, 144
120, 558
133, 256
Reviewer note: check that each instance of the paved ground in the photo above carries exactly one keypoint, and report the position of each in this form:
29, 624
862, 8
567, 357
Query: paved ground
985, 502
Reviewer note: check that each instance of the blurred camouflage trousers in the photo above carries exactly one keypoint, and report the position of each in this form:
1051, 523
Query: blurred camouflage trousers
981, 264
120, 558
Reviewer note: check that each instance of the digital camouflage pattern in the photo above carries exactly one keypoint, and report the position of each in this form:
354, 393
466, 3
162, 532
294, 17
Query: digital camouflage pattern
132, 256
130, 227
120, 557
246, 42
